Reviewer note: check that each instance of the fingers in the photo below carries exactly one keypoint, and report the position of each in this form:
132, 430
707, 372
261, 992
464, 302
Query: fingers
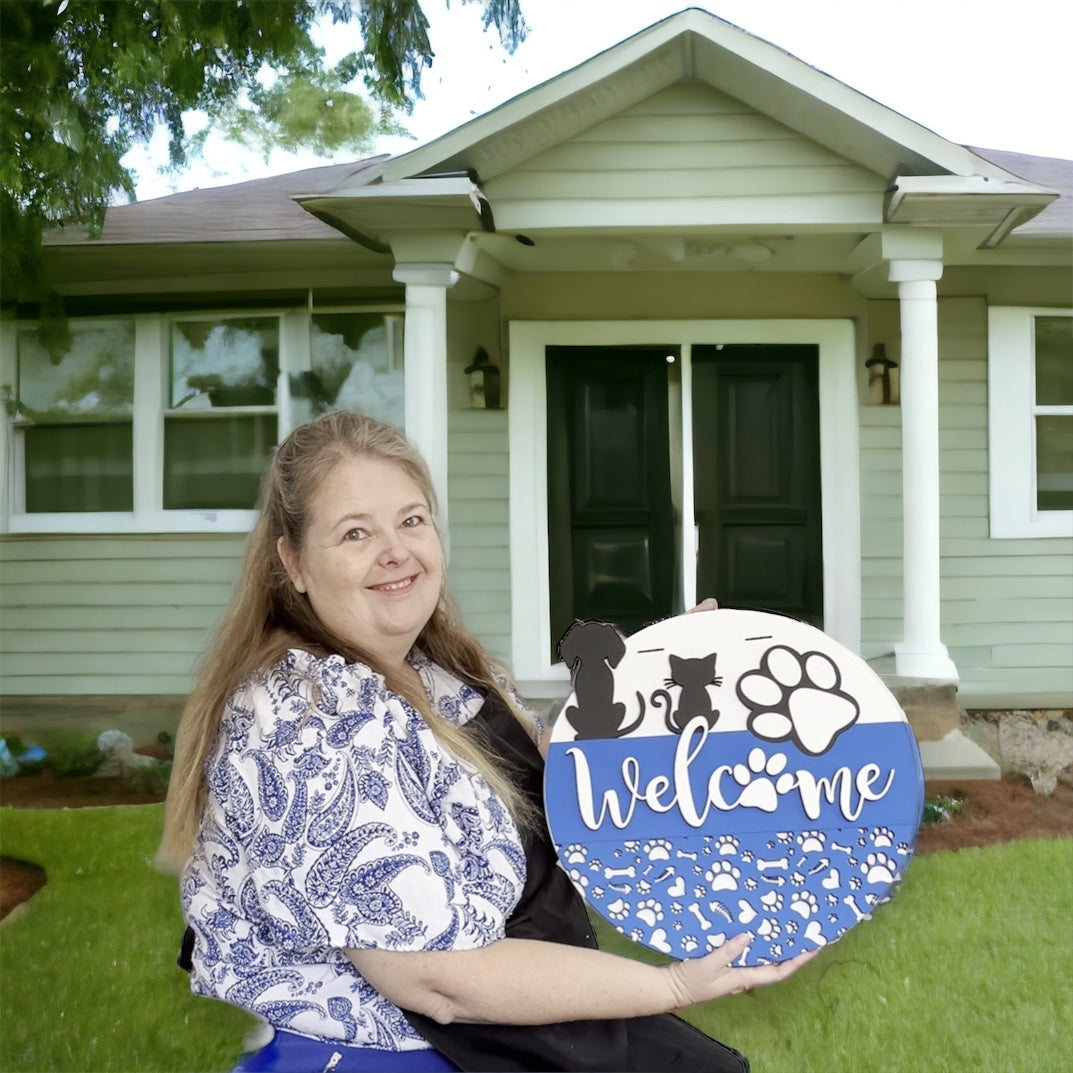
714, 976
708, 604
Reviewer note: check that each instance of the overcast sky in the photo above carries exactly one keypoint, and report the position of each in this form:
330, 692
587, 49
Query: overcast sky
984, 74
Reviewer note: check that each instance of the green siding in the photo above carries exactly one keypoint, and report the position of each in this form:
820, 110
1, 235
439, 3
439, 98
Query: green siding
109, 614
1007, 605
688, 141
479, 518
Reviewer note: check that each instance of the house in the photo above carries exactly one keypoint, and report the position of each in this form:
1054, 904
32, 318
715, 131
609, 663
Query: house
758, 335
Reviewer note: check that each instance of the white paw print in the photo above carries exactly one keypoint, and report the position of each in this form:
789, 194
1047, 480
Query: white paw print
689, 943
643, 887
854, 882
723, 876
762, 779
747, 856
750, 883
658, 849
727, 845
804, 904
797, 696
879, 868
797, 879
578, 878
675, 907
618, 909
776, 951
631, 845
576, 853
790, 927
650, 911
597, 892
772, 901
769, 928
883, 837
785, 837
811, 841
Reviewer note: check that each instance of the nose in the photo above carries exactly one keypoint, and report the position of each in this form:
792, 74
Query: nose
394, 550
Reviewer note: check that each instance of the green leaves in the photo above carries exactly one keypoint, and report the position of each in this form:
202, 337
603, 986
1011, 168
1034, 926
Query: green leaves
81, 81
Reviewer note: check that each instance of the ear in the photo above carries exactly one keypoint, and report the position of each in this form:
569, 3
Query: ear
289, 559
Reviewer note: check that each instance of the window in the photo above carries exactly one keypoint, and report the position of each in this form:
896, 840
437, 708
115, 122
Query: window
1030, 393
74, 419
164, 423
222, 419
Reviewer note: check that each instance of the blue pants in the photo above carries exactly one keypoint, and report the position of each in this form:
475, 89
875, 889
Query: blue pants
291, 1053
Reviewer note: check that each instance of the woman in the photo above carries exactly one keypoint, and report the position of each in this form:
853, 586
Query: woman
356, 810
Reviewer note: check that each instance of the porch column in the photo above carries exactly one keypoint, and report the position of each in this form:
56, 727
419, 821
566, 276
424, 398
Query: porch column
921, 653
425, 358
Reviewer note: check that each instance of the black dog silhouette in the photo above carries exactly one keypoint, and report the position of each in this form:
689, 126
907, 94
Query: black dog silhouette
592, 651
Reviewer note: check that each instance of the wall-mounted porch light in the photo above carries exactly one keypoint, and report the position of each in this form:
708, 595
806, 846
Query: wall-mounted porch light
483, 382
882, 377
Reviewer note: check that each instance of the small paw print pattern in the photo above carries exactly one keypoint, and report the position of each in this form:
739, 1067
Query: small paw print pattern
786, 802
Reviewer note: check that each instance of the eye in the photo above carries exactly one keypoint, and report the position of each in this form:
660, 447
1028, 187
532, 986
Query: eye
356, 533
413, 521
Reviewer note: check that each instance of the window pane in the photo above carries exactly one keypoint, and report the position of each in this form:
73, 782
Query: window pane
216, 464
1054, 361
357, 365
1054, 462
79, 467
224, 363
76, 418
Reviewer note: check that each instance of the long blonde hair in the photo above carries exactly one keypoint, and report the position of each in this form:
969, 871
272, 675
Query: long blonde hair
267, 615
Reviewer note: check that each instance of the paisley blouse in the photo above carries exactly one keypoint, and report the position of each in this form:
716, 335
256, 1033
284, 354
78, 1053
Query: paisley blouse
336, 819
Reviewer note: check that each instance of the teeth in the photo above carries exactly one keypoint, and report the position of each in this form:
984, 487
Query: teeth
394, 586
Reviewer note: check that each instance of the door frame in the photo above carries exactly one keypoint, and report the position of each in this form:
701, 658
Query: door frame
536, 675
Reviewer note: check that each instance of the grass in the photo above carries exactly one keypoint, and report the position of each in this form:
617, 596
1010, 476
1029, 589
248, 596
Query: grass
968, 969
88, 979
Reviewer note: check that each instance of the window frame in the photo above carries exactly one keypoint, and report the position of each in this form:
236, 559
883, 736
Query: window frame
151, 408
1011, 424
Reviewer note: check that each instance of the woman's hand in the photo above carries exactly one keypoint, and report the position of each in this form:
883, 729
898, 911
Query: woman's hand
713, 976
708, 604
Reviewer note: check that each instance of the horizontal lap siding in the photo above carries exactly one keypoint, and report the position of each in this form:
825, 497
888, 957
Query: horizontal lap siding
478, 488
686, 142
1007, 605
109, 614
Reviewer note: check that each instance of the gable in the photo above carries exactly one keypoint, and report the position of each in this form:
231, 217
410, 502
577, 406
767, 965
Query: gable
693, 145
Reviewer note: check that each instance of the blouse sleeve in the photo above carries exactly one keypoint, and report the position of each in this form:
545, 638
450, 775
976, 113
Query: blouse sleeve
339, 821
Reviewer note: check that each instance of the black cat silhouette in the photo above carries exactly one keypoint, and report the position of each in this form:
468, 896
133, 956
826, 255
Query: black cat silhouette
692, 675
592, 651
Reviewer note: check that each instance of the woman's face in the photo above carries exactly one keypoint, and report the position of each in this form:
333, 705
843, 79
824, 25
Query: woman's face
372, 563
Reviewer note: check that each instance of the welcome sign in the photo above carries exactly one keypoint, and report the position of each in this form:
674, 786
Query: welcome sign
728, 771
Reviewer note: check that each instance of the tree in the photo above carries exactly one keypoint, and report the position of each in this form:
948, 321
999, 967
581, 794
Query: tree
81, 81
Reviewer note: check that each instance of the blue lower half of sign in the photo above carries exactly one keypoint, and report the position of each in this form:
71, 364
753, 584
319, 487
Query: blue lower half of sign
683, 843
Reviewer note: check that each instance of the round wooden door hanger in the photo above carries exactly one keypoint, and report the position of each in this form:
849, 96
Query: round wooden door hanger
728, 771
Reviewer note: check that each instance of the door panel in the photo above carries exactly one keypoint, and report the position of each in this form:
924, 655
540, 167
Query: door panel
757, 478
610, 517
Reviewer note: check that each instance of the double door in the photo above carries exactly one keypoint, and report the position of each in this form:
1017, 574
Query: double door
616, 445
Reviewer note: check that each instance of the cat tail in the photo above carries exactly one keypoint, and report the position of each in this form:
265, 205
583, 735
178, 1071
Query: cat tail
637, 722
662, 699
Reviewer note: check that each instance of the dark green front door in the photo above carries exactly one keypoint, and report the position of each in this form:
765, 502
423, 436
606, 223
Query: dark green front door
611, 520
756, 467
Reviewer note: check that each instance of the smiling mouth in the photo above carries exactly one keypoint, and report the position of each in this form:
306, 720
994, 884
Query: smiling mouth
391, 587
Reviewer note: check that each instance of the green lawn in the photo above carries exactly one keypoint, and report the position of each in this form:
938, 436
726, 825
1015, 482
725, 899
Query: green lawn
967, 969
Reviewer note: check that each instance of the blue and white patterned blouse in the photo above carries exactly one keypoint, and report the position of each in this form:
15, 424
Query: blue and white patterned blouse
335, 819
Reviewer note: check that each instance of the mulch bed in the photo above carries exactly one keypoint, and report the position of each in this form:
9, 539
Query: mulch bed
997, 810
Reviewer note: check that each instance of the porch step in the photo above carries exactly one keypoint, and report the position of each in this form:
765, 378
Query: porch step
934, 712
